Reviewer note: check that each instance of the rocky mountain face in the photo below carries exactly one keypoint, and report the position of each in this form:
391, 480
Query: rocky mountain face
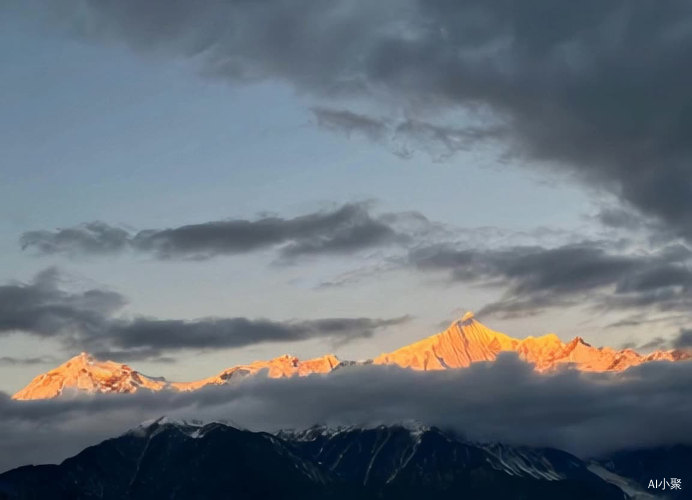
183, 460
465, 342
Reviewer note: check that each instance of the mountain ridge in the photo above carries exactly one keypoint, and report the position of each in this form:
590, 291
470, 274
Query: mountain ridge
464, 342
164, 459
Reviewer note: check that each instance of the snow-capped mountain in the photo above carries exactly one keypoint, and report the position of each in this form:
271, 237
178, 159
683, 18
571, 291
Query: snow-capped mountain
83, 373
466, 341
180, 460
86, 374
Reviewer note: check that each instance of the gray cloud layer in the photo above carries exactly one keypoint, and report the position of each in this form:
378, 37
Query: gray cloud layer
44, 309
143, 333
12, 361
595, 88
349, 228
88, 321
505, 400
607, 275
407, 136
586, 273
684, 340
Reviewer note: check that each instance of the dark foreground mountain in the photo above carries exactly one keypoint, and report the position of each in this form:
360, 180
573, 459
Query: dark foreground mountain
166, 460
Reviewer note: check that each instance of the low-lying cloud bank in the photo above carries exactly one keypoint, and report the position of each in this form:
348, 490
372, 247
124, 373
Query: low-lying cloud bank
506, 401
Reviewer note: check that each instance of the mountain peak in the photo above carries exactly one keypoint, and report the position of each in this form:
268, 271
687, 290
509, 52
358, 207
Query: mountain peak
463, 343
280, 367
468, 316
469, 341
83, 358
85, 373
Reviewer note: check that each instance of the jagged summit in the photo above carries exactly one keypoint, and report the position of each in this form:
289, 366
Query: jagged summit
464, 342
283, 366
468, 341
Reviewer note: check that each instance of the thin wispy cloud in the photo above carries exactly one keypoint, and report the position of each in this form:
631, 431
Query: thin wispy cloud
405, 137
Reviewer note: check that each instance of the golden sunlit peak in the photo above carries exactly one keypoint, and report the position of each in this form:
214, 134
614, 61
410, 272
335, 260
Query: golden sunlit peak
465, 342
82, 358
468, 316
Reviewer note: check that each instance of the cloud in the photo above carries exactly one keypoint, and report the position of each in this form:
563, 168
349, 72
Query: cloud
618, 218
558, 270
440, 141
588, 273
12, 361
405, 137
655, 343
343, 230
348, 122
210, 333
44, 309
89, 321
598, 90
150, 355
584, 413
92, 238
684, 340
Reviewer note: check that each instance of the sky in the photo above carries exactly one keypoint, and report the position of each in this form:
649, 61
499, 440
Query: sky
184, 189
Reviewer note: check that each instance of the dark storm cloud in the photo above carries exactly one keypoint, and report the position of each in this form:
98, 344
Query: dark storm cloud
585, 413
588, 273
88, 321
347, 229
619, 218
597, 89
